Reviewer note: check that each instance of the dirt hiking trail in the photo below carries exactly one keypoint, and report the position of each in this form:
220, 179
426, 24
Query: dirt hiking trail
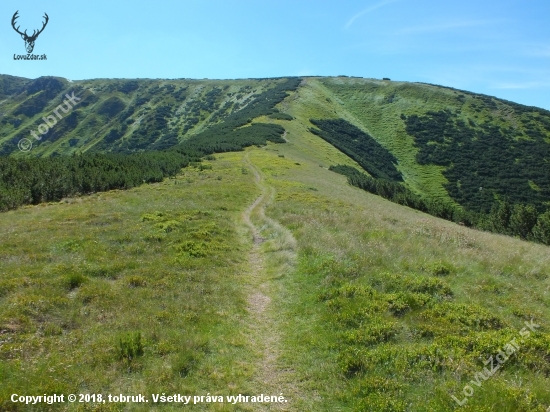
264, 324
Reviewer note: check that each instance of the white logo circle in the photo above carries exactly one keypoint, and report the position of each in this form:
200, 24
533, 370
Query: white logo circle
24, 144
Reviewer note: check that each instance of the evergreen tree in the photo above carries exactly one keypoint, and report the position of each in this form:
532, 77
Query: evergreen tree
499, 219
522, 220
541, 231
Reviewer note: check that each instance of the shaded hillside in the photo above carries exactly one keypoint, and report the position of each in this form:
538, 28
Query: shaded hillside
119, 115
483, 161
360, 146
450, 143
452, 147
10, 85
35, 180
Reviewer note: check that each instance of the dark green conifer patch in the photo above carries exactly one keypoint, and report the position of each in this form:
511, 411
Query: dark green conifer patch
520, 220
360, 146
485, 162
35, 180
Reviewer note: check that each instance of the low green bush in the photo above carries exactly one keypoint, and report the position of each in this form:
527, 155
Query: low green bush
130, 346
74, 280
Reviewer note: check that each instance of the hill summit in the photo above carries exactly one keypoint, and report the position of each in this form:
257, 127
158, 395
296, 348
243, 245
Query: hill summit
451, 146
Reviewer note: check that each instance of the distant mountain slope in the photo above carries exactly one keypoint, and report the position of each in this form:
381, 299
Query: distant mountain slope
10, 85
448, 145
118, 115
451, 145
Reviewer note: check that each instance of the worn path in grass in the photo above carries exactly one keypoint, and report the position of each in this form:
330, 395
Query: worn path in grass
271, 378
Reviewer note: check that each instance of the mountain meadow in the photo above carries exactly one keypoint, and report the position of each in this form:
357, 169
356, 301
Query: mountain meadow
345, 244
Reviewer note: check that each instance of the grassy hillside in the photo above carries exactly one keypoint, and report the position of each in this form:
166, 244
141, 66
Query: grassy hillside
449, 145
11, 85
261, 271
83, 279
118, 115
400, 308
336, 298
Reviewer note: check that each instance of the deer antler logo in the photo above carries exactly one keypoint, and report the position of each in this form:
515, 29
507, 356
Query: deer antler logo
29, 40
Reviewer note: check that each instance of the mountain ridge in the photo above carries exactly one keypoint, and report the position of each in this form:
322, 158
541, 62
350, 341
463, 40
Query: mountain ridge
238, 262
454, 147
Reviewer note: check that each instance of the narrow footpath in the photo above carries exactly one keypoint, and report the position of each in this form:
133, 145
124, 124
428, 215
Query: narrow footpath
271, 378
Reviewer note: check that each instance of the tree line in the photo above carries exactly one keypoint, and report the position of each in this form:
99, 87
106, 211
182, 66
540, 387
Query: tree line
484, 161
360, 146
35, 180
522, 220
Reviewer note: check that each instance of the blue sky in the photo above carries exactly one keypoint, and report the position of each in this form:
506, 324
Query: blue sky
501, 48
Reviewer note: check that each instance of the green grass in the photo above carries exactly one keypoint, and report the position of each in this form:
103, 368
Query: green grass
133, 115
367, 101
371, 306
401, 308
128, 292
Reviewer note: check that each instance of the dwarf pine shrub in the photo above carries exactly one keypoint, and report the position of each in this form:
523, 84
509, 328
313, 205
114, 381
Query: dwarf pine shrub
130, 347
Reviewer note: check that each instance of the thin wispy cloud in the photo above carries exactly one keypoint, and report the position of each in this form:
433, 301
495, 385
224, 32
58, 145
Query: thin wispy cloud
528, 49
445, 26
368, 10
